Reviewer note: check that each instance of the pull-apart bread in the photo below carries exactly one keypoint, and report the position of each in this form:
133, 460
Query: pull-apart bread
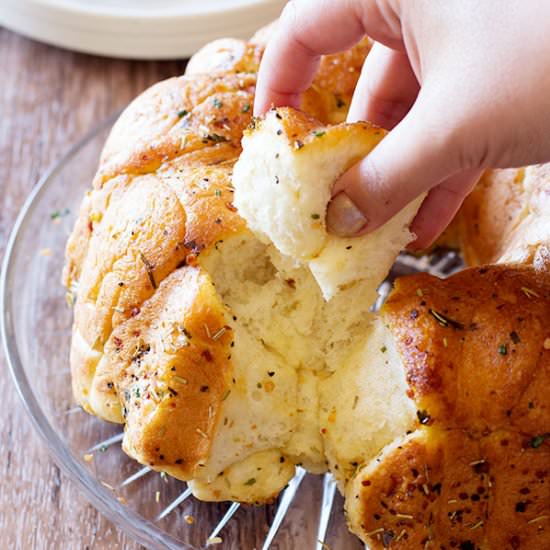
507, 218
218, 321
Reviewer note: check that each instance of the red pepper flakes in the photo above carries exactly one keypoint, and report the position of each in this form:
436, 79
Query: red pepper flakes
191, 259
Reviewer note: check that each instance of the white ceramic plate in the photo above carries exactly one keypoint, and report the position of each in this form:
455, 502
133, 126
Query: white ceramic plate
138, 29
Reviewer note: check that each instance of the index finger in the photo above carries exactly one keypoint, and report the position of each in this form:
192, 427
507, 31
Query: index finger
311, 28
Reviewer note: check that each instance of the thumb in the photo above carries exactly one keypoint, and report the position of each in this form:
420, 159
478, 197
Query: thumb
417, 155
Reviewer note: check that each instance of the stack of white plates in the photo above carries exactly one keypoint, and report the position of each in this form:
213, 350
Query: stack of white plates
142, 29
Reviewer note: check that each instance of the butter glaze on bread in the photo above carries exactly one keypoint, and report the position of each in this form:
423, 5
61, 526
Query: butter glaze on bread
475, 472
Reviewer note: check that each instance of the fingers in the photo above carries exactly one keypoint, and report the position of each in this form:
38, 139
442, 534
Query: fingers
440, 206
386, 90
309, 29
417, 155
421, 150
385, 93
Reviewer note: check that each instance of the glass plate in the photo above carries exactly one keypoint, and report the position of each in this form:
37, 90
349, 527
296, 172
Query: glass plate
156, 510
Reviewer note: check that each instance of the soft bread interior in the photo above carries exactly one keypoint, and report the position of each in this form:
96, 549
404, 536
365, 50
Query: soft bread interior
277, 300
283, 182
315, 383
286, 340
257, 479
364, 405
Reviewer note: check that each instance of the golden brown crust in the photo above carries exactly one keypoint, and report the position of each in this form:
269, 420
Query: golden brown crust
504, 219
301, 129
446, 489
151, 226
77, 244
159, 200
176, 117
496, 318
476, 351
137, 243
227, 54
489, 214
188, 129
330, 95
169, 364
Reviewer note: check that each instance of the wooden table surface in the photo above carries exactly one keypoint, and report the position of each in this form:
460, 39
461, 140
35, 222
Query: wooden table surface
49, 98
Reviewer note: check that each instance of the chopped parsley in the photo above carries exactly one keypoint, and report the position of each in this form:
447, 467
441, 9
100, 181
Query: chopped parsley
59, 213
538, 440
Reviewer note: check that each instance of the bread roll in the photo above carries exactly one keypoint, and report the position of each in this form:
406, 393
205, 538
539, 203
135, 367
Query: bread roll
283, 182
474, 472
506, 217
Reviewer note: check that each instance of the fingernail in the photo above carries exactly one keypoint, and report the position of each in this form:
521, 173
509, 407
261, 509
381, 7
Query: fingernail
344, 219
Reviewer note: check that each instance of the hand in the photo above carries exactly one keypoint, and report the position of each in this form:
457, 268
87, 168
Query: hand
463, 85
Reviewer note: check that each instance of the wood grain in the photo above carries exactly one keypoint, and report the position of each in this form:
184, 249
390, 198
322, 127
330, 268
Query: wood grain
49, 98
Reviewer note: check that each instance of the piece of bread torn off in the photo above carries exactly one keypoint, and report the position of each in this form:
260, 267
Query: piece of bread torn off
283, 182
